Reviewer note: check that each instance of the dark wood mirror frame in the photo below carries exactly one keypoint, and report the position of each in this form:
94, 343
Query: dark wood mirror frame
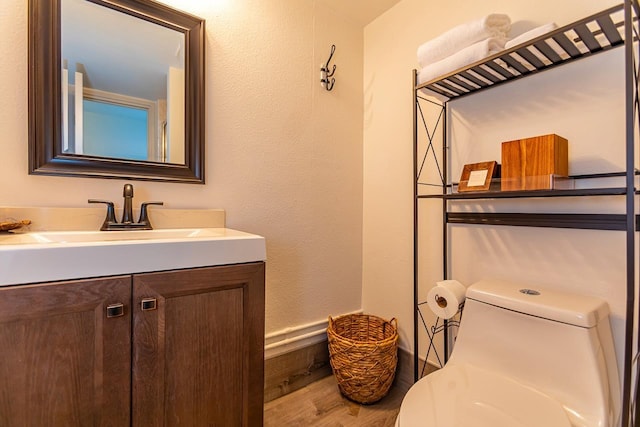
45, 106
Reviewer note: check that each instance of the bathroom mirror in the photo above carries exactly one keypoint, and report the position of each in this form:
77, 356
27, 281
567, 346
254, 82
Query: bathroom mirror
116, 90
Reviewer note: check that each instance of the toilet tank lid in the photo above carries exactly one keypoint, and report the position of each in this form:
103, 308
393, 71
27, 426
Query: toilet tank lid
574, 309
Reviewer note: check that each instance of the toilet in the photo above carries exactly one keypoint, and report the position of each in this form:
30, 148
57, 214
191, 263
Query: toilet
522, 358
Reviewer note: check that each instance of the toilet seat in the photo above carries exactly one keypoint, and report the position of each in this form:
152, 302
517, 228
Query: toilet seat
464, 396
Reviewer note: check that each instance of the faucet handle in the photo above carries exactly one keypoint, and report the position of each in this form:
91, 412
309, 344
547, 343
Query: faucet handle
144, 217
111, 213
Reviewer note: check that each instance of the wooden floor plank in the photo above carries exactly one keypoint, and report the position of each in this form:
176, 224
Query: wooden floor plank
321, 404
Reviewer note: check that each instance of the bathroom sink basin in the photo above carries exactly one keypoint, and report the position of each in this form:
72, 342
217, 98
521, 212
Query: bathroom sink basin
16, 239
109, 236
60, 255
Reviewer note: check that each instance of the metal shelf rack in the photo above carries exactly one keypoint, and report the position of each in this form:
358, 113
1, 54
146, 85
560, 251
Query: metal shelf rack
615, 27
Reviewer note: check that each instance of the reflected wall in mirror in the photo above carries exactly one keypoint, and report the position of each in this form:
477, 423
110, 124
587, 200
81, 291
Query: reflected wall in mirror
116, 89
121, 99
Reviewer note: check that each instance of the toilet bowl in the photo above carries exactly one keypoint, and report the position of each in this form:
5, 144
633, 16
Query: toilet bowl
522, 359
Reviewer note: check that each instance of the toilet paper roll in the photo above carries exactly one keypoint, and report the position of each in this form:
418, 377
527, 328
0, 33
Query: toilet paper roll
444, 298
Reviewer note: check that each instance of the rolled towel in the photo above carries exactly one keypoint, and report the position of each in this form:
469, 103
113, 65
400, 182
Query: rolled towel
466, 56
456, 39
531, 34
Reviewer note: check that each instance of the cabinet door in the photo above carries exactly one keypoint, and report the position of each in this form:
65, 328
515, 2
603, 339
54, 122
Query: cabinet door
198, 357
62, 361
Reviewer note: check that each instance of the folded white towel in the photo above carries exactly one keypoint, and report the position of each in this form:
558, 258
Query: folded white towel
466, 56
531, 34
456, 39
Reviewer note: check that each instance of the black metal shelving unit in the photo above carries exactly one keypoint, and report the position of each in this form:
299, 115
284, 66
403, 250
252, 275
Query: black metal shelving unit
615, 27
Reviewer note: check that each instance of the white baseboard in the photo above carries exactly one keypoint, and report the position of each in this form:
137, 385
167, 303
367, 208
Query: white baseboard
296, 337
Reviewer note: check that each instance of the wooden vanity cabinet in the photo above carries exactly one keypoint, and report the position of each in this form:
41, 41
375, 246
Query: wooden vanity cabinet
187, 349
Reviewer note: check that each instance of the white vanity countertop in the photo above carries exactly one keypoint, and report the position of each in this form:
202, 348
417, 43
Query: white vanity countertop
76, 255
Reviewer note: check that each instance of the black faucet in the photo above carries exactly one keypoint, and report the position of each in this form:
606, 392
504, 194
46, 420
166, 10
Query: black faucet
127, 211
110, 222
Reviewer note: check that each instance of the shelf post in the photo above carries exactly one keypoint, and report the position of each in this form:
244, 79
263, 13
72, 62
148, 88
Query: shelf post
630, 324
414, 97
445, 224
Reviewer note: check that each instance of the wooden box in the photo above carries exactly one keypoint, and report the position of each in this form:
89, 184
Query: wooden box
528, 163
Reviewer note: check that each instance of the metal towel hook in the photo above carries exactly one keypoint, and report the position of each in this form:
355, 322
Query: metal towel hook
325, 74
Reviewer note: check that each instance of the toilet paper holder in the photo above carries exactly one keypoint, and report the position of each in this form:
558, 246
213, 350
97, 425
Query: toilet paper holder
441, 325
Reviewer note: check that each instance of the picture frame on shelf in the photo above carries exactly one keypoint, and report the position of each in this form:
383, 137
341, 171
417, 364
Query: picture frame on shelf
477, 176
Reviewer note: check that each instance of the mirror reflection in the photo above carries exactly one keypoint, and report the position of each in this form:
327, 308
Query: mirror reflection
123, 85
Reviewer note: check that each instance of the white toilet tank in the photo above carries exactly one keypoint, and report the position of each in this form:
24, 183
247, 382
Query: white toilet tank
555, 342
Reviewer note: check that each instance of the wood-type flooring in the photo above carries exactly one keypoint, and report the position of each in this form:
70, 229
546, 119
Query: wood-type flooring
321, 404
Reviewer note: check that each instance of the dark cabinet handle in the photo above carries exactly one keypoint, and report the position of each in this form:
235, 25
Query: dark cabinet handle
148, 304
115, 310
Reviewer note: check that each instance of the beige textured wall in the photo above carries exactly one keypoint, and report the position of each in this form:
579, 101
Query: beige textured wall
283, 156
583, 102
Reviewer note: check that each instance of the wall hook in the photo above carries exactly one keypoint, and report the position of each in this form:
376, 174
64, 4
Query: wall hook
325, 73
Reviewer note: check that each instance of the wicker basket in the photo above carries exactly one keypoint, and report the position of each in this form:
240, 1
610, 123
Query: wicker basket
363, 351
